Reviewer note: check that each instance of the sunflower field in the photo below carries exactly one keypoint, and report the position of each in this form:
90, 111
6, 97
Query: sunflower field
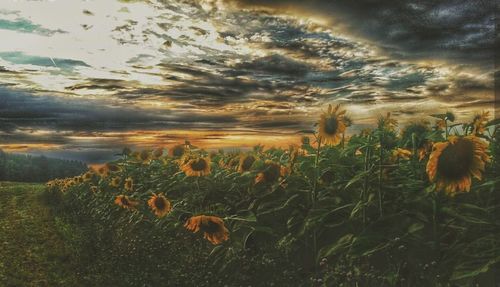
411, 205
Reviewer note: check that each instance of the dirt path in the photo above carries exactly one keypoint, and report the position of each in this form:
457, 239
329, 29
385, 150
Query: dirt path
32, 253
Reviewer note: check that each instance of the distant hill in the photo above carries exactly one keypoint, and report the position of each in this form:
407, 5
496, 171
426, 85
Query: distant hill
28, 168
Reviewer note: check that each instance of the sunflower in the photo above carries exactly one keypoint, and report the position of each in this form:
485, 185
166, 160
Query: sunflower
129, 184
401, 153
144, 156
87, 176
177, 150
212, 227
331, 125
160, 205
103, 171
479, 123
157, 153
125, 202
452, 163
416, 134
115, 182
246, 162
94, 189
198, 166
270, 173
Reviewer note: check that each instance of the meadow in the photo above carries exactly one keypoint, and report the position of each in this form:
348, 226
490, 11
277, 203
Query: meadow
394, 205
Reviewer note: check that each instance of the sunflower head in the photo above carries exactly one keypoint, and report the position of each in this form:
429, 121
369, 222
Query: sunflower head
129, 184
177, 150
246, 162
160, 205
157, 153
415, 134
88, 176
94, 189
103, 171
479, 123
331, 125
212, 227
115, 181
452, 163
125, 202
196, 166
126, 151
270, 172
144, 156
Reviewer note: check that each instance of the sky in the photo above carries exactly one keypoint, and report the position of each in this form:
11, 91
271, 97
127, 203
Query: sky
83, 79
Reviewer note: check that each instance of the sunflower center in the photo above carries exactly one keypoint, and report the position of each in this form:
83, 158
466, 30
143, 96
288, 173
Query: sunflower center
199, 164
124, 201
210, 226
178, 151
456, 159
331, 125
272, 172
247, 162
160, 203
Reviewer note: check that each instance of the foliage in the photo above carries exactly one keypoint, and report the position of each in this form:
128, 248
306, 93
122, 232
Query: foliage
361, 213
27, 168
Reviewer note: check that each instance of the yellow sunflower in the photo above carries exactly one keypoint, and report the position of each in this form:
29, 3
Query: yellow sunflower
87, 176
177, 150
452, 163
197, 166
129, 184
479, 123
160, 205
94, 189
401, 153
212, 227
270, 173
331, 126
125, 202
246, 162
103, 171
115, 182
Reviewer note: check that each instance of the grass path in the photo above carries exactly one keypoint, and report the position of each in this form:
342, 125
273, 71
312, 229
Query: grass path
32, 253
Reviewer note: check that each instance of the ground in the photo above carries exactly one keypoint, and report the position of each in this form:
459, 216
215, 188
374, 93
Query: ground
33, 252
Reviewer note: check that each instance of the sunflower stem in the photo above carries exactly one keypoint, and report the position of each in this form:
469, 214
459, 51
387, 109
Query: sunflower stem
380, 169
314, 198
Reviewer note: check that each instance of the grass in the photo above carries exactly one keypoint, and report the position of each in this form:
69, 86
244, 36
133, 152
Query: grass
33, 251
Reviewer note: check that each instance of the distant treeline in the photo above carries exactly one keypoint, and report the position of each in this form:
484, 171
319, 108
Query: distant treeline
27, 168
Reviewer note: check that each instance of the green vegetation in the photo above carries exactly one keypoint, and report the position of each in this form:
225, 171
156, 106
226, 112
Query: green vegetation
33, 252
382, 208
27, 168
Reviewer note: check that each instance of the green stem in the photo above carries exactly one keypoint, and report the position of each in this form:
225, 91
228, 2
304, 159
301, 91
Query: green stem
314, 197
380, 180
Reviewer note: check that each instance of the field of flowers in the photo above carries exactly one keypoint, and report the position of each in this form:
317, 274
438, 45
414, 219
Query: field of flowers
411, 205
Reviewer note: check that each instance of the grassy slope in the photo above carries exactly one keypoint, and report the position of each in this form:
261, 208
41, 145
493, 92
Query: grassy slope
32, 251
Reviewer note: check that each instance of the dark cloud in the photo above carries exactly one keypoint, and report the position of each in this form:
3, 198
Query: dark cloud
274, 65
458, 30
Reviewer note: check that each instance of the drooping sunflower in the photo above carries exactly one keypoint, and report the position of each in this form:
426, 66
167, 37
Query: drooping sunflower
177, 150
452, 163
331, 125
196, 166
160, 205
387, 122
212, 227
125, 202
246, 162
129, 184
270, 172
